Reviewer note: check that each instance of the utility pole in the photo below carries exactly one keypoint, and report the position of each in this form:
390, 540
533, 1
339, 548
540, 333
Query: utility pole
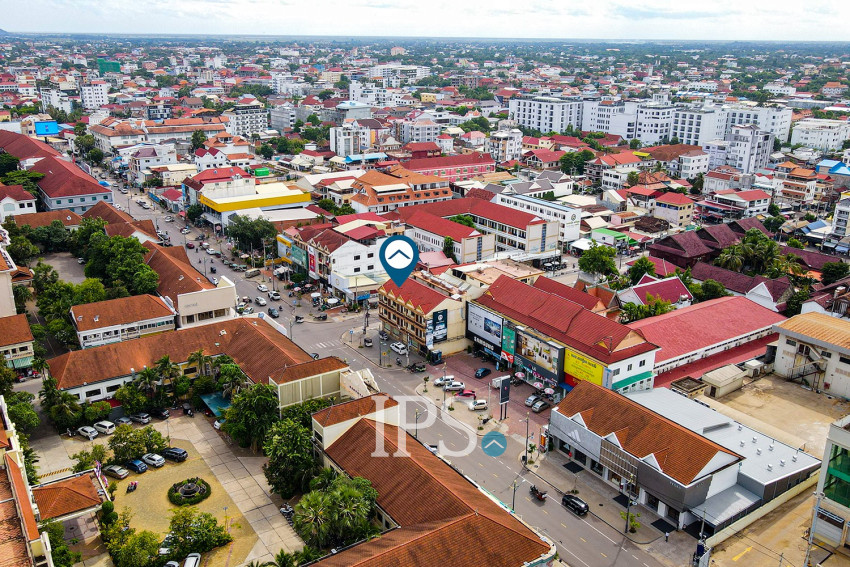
513, 498
818, 496
527, 419
628, 502
416, 432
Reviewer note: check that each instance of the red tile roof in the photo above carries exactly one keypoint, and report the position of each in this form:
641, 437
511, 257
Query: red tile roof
16, 192
668, 289
462, 160
24, 147
479, 207
353, 409
14, 329
66, 496
564, 321
576, 296
663, 268
685, 330
121, 311
674, 198
682, 454
64, 179
416, 295
440, 226
450, 515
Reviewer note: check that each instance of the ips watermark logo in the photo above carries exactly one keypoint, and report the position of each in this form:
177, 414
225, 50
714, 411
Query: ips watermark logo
494, 443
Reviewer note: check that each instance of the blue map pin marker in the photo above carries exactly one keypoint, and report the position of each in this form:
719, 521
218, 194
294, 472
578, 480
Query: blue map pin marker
399, 255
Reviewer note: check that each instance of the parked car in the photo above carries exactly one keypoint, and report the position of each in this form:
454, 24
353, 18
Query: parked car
116, 471
442, 380
482, 372
219, 422
161, 413
477, 405
137, 466
531, 400
87, 431
124, 421
168, 218
213, 269
189, 245
81, 260
105, 427
539, 406
262, 287
248, 310
273, 312
383, 335
466, 394
192, 560
274, 296
141, 418
575, 504
399, 348
153, 460
211, 251
261, 301
175, 454
367, 342
454, 386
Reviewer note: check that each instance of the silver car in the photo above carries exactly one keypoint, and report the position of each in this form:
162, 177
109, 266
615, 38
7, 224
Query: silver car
87, 431
153, 460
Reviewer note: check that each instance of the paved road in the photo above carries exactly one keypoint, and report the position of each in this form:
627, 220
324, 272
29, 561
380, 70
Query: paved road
584, 542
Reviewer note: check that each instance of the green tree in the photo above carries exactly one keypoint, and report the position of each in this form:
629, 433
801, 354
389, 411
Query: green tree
337, 515
95, 156
167, 371
291, 462
266, 151
633, 178
251, 415
8, 163
84, 143
65, 411
634, 144
772, 224
22, 250
598, 260
198, 139
573, 163
232, 380
192, 531
810, 217
449, 248
194, 212
795, 303
132, 399
834, 271
125, 444
52, 238
654, 306
62, 555
773, 210
85, 459
19, 406
27, 179
141, 549
120, 261
642, 266
465, 220
96, 411
200, 361
250, 234
794, 243
302, 413
80, 237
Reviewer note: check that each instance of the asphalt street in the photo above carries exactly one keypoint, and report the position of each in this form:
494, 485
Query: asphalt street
586, 541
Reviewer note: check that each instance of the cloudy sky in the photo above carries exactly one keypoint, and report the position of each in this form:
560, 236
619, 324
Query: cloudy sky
814, 20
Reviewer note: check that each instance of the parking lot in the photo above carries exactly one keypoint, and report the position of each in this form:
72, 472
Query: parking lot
66, 265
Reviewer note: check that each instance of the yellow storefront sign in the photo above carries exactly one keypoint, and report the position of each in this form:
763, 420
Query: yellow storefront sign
582, 367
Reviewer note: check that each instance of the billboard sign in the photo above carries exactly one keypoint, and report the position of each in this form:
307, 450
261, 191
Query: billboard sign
440, 325
508, 339
429, 334
312, 266
581, 367
46, 128
485, 324
505, 390
299, 256
543, 359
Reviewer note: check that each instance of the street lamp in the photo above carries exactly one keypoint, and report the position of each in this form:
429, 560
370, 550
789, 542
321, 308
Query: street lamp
513, 498
416, 432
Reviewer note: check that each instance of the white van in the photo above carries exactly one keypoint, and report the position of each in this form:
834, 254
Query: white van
253, 272
105, 427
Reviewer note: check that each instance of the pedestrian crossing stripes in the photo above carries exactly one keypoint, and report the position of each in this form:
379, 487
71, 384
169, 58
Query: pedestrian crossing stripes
326, 345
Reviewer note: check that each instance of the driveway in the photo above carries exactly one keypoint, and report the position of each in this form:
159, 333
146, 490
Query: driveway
67, 266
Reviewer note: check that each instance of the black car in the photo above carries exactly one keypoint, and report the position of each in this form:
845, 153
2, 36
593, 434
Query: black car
175, 454
575, 504
383, 335
160, 413
212, 269
482, 372
274, 313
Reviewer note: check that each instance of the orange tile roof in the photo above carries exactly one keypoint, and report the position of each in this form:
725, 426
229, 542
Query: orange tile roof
66, 496
177, 275
105, 211
451, 514
19, 490
14, 329
260, 350
121, 311
681, 453
35, 220
355, 408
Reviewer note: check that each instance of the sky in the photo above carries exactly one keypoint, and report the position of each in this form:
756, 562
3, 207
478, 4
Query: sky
813, 20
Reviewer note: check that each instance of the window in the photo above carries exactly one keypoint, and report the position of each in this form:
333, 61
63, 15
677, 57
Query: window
92, 393
789, 342
357, 257
844, 360
642, 363
629, 368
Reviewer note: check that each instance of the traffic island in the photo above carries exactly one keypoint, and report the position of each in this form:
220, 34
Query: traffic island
459, 410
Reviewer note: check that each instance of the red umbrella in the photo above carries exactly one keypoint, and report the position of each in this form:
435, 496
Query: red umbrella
538, 385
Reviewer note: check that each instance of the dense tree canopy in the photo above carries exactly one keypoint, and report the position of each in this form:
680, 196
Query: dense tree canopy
291, 462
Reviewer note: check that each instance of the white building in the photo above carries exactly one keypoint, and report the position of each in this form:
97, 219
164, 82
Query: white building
689, 164
694, 126
246, 119
57, 99
773, 119
653, 123
121, 319
717, 151
505, 145
749, 148
14, 200
282, 117
94, 95
419, 131
780, 89
613, 117
813, 347
568, 218
546, 114
395, 74
821, 134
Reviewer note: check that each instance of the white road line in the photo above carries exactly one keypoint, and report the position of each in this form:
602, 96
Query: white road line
599, 532
576, 556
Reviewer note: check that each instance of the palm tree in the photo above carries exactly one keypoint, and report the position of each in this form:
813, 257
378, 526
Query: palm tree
730, 258
323, 480
312, 518
283, 559
49, 393
148, 381
232, 380
168, 371
200, 360
22, 294
65, 410
220, 361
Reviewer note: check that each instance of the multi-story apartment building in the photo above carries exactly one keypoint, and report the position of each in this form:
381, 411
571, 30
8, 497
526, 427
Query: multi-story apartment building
396, 74
418, 131
694, 126
547, 114
454, 168
675, 208
374, 96
505, 145
94, 95
282, 117
121, 319
247, 118
840, 219
57, 99
114, 133
429, 232
142, 160
653, 122
821, 134
717, 151
380, 192
568, 218
612, 117
749, 148
773, 119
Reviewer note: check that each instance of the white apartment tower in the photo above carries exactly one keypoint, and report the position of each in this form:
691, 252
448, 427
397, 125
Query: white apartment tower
547, 114
246, 119
749, 148
94, 95
505, 145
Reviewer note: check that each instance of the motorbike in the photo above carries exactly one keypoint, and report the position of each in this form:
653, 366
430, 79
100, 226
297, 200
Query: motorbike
299, 319
398, 361
537, 493
132, 486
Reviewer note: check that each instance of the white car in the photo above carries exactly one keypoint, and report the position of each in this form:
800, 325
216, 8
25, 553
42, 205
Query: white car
260, 301
399, 348
443, 380
274, 295
454, 386
262, 287
153, 460
211, 251
477, 405
87, 431
105, 427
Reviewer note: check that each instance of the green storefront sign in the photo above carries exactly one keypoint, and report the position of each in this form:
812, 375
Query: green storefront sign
508, 339
299, 256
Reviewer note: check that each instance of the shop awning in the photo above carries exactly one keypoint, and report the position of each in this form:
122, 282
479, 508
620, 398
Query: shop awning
24, 362
582, 244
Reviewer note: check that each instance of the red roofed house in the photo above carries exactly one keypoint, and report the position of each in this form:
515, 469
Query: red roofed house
422, 317
14, 200
66, 187
454, 168
543, 159
675, 208
557, 341
419, 150
666, 289
430, 231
